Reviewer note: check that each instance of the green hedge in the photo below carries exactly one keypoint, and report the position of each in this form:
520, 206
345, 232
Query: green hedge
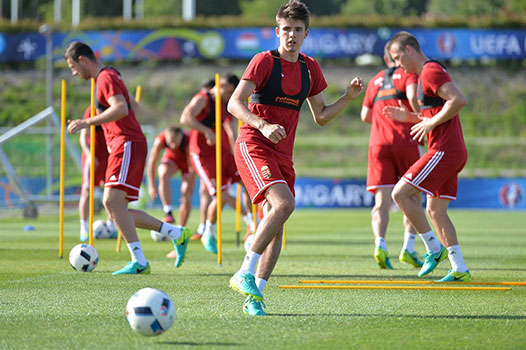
372, 21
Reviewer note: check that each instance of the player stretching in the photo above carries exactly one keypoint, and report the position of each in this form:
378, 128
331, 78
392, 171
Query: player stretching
279, 82
436, 172
127, 155
391, 151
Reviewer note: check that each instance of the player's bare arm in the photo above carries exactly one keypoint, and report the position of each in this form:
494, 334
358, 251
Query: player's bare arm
411, 92
118, 109
455, 101
136, 107
237, 107
231, 134
324, 113
189, 119
366, 114
152, 162
84, 143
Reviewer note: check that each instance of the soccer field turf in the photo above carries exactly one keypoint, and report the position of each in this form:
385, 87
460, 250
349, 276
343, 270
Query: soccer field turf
44, 304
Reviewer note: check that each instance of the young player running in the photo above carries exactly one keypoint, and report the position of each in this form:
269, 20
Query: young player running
278, 81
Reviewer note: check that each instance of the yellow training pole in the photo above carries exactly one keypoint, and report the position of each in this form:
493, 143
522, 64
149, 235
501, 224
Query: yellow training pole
92, 163
238, 198
138, 92
400, 287
415, 282
218, 168
62, 160
255, 216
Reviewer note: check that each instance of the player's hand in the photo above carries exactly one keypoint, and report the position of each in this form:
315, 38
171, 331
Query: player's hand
420, 130
400, 113
210, 136
273, 132
355, 88
152, 192
75, 125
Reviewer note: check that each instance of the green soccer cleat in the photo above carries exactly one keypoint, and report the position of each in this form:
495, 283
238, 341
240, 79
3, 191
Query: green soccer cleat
431, 260
209, 242
410, 258
180, 245
133, 268
245, 283
382, 258
253, 308
454, 276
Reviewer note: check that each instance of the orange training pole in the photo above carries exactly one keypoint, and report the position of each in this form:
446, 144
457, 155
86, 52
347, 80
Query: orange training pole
218, 169
62, 160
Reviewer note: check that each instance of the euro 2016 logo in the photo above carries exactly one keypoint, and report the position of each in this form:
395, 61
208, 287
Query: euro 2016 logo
265, 171
511, 195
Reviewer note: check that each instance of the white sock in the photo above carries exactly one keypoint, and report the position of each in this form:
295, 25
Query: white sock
249, 221
430, 241
167, 208
201, 228
380, 242
210, 229
250, 262
136, 253
456, 259
84, 228
409, 242
261, 283
170, 231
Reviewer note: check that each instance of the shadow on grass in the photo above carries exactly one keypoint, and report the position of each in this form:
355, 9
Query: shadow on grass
189, 343
451, 317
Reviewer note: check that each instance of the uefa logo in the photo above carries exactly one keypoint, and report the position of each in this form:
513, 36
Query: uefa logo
511, 195
446, 43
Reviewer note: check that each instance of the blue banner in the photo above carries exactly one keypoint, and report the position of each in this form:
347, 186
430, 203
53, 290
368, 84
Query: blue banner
505, 194
243, 43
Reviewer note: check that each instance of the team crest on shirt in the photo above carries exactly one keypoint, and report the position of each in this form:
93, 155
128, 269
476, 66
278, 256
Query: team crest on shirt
265, 171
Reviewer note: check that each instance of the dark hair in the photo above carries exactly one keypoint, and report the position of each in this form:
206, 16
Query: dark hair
76, 49
294, 9
231, 78
406, 39
174, 130
208, 83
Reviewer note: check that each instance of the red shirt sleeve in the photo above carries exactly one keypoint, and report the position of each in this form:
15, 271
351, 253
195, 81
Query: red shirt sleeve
317, 80
107, 87
433, 77
259, 69
162, 139
87, 113
412, 78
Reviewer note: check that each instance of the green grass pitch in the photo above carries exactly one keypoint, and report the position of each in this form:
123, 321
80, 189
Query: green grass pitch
44, 304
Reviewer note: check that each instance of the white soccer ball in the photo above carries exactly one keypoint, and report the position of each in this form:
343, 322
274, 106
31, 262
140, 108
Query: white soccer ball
150, 312
157, 236
248, 242
101, 230
83, 258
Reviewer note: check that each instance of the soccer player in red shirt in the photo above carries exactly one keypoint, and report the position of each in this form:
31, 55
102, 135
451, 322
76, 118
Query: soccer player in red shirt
174, 142
436, 172
391, 151
279, 82
101, 161
127, 156
199, 115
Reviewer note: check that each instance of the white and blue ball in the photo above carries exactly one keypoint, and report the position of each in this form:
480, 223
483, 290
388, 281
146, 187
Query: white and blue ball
150, 312
103, 230
83, 258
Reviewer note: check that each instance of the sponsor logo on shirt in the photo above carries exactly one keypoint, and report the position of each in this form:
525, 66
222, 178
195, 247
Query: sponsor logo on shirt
287, 100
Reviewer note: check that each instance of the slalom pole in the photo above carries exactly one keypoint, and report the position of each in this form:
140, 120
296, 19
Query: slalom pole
218, 169
62, 160
381, 282
284, 241
238, 199
138, 92
92, 163
255, 216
